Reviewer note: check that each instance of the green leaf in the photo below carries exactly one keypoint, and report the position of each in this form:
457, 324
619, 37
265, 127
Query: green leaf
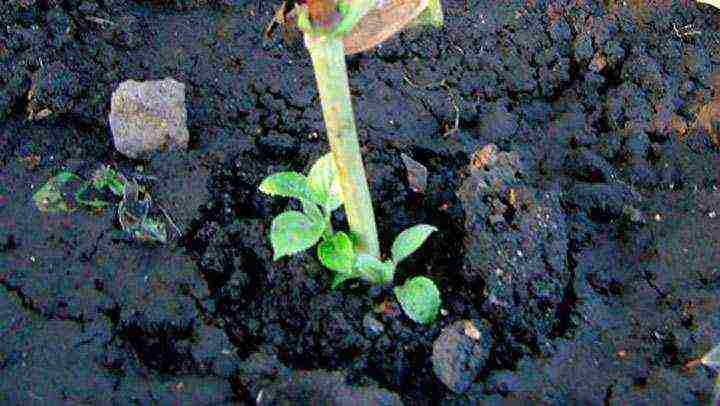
432, 15
91, 203
409, 241
313, 211
374, 270
337, 253
303, 19
293, 232
354, 238
339, 278
94, 203
352, 12
106, 177
50, 198
420, 299
287, 184
151, 230
324, 182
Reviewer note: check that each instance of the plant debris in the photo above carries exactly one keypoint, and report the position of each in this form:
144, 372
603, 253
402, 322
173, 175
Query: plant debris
416, 174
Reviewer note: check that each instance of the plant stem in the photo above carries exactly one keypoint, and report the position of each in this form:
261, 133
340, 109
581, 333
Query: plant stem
328, 56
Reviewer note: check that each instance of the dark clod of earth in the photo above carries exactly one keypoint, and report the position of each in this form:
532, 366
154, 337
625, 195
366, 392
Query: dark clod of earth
572, 151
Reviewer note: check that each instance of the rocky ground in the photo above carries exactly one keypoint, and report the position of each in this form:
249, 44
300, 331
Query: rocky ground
573, 156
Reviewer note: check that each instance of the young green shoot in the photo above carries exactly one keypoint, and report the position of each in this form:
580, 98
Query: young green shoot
332, 28
295, 231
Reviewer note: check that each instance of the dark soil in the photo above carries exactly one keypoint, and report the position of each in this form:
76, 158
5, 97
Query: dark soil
589, 248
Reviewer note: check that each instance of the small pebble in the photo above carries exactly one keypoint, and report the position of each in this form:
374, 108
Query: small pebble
460, 352
148, 116
416, 174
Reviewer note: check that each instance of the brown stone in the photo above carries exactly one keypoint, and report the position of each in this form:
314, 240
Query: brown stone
148, 116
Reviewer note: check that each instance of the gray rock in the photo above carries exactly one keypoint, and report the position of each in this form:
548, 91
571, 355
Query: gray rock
416, 174
147, 116
460, 352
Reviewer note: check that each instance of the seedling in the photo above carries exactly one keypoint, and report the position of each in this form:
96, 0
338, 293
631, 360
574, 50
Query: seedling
332, 29
319, 194
57, 196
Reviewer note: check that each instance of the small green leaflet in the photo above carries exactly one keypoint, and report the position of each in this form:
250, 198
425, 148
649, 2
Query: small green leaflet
94, 203
151, 230
339, 278
374, 270
324, 183
354, 238
287, 184
337, 253
313, 211
432, 15
420, 299
293, 232
409, 241
110, 178
50, 198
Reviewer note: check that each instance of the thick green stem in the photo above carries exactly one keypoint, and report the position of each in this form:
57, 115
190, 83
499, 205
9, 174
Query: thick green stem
328, 56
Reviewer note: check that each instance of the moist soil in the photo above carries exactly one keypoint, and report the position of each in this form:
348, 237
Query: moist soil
573, 157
